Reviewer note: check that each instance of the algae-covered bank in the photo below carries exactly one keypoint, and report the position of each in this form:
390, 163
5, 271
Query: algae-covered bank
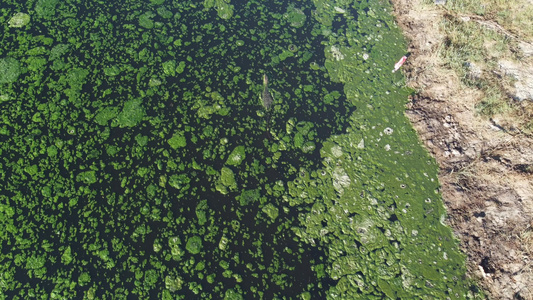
138, 160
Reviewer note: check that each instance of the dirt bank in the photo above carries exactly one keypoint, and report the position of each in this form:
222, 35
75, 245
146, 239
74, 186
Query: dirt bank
486, 169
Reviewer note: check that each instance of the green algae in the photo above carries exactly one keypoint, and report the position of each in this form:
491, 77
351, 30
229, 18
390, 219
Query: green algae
236, 156
249, 197
132, 113
169, 67
226, 181
177, 140
137, 161
367, 198
18, 20
46, 8
194, 244
271, 211
223, 7
145, 20
9, 70
295, 16
106, 114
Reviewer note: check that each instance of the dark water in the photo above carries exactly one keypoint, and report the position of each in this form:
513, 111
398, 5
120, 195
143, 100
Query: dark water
107, 212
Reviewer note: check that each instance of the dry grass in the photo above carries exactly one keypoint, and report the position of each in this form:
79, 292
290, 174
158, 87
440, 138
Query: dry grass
516, 16
494, 102
479, 34
526, 239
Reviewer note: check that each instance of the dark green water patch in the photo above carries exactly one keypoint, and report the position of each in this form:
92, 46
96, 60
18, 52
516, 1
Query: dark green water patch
140, 129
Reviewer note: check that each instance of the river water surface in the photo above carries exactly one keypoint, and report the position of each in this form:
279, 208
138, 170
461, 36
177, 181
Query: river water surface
138, 161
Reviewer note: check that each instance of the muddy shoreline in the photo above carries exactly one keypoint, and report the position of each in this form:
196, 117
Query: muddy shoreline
486, 182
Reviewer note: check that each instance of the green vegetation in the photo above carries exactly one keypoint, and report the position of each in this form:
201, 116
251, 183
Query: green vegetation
137, 161
236, 156
9, 70
19, 20
177, 141
194, 244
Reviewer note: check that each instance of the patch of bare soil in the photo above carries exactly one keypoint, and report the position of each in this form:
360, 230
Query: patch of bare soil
486, 168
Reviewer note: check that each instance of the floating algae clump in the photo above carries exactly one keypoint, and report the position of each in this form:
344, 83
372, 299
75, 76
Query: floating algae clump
223, 8
20, 19
9, 70
178, 140
131, 114
226, 181
295, 16
271, 211
46, 8
194, 244
145, 20
236, 156
169, 67
106, 114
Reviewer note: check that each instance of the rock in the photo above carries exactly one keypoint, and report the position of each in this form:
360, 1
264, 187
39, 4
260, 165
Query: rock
474, 71
526, 48
523, 76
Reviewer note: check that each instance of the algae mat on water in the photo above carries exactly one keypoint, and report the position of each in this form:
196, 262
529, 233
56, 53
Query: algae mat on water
137, 160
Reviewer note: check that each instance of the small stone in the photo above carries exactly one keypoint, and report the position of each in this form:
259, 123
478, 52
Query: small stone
470, 152
474, 70
526, 48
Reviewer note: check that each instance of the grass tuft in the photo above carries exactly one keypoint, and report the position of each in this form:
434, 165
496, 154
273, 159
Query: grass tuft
493, 102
